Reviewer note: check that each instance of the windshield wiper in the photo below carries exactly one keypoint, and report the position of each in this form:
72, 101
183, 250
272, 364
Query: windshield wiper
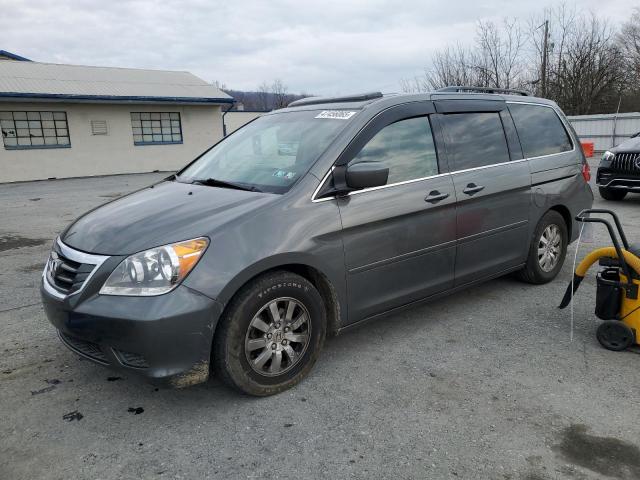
212, 182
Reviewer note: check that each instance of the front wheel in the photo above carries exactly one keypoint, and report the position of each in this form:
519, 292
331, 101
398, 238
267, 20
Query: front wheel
547, 250
271, 335
612, 194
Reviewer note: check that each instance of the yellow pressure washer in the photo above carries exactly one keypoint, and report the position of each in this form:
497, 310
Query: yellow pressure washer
617, 300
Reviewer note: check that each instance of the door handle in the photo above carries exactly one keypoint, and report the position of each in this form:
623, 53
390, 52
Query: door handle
472, 188
435, 196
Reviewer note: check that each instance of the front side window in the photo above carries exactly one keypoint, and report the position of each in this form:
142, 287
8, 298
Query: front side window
153, 128
540, 130
405, 147
22, 130
475, 139
271, 153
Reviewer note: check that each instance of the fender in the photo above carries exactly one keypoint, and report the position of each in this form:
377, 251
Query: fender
282, 260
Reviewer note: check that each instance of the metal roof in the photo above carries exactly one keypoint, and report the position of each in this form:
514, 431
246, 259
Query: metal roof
48, 81
13, 56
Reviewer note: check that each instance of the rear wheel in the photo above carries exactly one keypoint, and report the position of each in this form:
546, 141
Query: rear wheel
612, 194
271, 335
547, 250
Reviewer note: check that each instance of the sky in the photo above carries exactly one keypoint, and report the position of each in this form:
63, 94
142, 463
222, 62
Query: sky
323, 47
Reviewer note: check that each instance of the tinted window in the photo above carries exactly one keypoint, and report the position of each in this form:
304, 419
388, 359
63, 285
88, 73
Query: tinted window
406, 147
475, 139
540, 130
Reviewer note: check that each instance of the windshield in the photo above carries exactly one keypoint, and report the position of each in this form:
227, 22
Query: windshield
270, 154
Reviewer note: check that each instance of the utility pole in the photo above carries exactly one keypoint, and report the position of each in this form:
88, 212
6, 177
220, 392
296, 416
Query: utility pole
545, 55
615, 121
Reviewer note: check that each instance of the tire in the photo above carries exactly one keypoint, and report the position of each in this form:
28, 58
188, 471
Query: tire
612, 194
245, 359
614, 335
536, 271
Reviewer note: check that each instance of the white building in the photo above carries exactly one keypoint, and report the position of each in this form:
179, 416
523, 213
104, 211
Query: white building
68, 120
239, 118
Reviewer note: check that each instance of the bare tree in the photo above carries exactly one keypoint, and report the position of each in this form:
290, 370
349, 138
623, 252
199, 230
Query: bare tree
453, 66
629, 43
498, 56
593, 67
494, 60
264, 100
416, 84
220, 85
585, 71
580, 63
280, 94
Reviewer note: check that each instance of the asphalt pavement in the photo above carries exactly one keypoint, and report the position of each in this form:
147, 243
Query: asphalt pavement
485, 384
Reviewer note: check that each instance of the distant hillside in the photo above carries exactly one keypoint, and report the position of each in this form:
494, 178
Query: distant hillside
262, 101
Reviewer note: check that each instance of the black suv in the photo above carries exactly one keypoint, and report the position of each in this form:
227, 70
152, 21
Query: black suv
619, 170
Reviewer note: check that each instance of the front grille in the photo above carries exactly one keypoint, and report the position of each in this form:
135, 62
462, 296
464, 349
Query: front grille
68, 269
65, 274
90, 349
628, 163
131, 359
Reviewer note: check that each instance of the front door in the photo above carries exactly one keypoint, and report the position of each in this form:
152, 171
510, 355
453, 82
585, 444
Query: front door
399, 239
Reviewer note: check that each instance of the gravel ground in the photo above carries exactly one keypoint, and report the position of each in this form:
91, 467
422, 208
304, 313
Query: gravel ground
485, 384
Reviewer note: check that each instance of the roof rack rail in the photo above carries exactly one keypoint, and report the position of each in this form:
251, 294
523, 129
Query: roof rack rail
360, 97
461, 88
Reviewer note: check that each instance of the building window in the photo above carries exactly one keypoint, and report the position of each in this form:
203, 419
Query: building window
156, 128
22, 130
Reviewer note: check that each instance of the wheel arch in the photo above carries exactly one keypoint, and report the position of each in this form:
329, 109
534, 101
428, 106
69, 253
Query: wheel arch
566, 215
305, 269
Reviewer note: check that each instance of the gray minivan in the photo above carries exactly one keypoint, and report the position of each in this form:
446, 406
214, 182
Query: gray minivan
313, 219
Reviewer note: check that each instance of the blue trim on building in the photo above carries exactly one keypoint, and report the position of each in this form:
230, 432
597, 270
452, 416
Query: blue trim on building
142, 144
13, 56
114, 98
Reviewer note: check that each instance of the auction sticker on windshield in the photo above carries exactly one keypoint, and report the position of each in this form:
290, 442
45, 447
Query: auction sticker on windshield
336, 114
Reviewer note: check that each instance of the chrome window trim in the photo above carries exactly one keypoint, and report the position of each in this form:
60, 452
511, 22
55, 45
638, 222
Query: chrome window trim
320, 185
525, 159
76, 256
356, 192
370, 189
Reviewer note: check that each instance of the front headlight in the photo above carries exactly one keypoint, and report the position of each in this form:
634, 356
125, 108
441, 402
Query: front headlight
155, 271
608, 156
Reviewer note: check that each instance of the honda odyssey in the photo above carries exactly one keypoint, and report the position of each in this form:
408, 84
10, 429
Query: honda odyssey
313, 219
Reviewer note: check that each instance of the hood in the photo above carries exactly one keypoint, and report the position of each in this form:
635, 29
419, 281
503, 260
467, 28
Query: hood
631, 145
164, 213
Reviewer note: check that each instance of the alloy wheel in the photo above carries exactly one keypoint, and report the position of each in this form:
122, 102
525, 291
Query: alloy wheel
549, 248
278, 336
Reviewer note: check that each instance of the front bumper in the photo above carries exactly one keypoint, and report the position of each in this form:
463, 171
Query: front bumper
166, 338
617, 181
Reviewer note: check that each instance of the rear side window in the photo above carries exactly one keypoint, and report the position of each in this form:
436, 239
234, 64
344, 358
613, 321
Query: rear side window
406, 147
540, 130
475, 139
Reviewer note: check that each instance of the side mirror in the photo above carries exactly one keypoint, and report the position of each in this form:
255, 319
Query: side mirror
366, 175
